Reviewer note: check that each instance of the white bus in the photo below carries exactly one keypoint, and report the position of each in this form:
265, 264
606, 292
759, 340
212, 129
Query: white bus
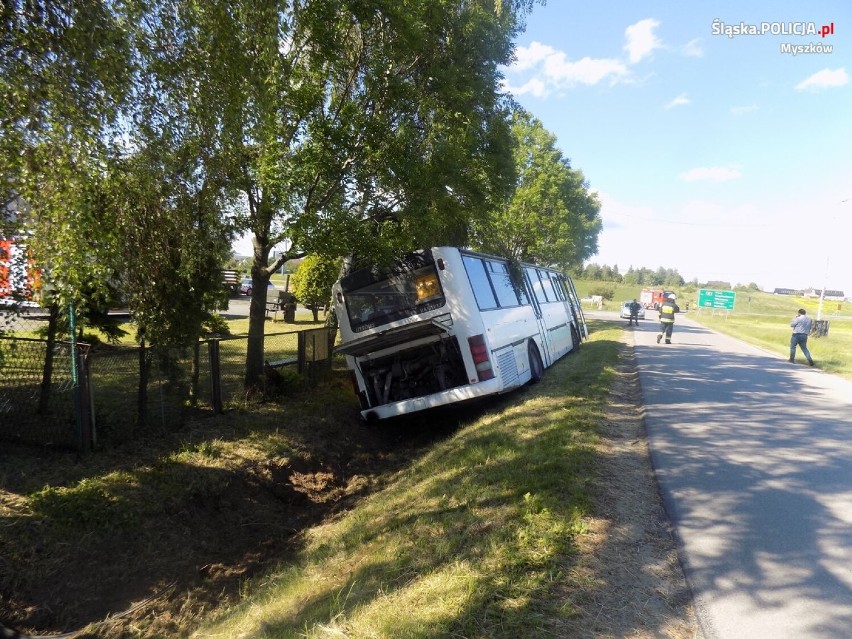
446, 325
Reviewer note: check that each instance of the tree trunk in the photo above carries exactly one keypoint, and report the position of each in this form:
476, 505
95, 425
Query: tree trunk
260, 273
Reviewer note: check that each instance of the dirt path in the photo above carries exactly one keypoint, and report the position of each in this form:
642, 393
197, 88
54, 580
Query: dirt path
634, 585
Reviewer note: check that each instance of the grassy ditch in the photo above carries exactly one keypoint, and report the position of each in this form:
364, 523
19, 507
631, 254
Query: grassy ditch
290, 518
466, 541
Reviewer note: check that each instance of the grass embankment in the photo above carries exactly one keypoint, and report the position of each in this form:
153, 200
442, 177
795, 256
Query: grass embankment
467, 534
467, 541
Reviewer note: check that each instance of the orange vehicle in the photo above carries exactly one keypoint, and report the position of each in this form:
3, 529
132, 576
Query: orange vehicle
17, 278
653, 298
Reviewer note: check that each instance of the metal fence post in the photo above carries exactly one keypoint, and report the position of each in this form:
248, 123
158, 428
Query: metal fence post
86, 409
215, 376
75, 380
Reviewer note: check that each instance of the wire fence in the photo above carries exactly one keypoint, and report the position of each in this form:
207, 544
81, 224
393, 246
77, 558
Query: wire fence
36, 399
121, 390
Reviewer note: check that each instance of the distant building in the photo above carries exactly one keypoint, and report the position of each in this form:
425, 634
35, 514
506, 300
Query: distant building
829, 293
786, 291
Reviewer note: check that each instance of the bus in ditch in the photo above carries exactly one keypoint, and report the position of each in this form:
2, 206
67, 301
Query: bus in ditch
447, 325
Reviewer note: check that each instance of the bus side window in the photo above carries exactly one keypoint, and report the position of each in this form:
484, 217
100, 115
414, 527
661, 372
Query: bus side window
547, 286
506, 294
522, 294
538, 291
479, 283
559, 288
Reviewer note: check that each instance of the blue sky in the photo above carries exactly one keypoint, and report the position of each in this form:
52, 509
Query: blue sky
718, 153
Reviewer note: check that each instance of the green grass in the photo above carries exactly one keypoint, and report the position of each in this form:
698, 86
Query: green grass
473, 536
468, 541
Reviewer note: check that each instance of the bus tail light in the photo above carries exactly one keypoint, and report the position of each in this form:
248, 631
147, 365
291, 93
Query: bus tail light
479, 351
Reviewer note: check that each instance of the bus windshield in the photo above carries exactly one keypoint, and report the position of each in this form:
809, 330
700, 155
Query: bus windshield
375, 296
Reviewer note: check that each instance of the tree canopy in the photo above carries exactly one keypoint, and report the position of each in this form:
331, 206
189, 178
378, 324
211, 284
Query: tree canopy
64, 74
338, 126
313, 280
639, 276
144, 134
550, 217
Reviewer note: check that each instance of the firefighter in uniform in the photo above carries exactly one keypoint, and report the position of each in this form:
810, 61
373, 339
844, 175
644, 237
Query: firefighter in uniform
667, 317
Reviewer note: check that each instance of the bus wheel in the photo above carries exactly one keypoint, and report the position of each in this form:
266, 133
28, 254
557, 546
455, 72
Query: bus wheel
575, 338
536, 367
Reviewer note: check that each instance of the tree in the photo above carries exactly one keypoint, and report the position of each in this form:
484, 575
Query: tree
173, 241
339, 125
551, 216
631, 277
592, 272
64, 72
313, 280
96, 218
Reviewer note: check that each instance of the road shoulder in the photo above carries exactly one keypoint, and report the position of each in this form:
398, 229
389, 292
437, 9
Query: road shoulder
634, 585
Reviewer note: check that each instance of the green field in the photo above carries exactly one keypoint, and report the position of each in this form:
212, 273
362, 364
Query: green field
762, 319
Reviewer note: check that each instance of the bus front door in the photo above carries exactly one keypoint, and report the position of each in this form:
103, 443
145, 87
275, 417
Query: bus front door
547, 355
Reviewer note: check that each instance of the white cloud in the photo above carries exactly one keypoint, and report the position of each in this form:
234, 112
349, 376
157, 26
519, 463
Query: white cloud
544, 69
692, 49
529, 57
586, 71
824, 79
711, 173
742, 110
616, 214
533, 86
552, 70
641, 40
681, 100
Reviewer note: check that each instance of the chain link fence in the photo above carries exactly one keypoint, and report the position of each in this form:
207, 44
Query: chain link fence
36, 402
122, 389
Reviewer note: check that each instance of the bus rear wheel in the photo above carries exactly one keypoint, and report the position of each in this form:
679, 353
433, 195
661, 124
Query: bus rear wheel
575, 338
536, 367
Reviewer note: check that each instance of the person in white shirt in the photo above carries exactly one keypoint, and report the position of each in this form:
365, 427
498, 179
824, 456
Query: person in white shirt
801, 324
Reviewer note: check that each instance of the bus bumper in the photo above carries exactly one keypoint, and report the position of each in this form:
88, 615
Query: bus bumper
451, 396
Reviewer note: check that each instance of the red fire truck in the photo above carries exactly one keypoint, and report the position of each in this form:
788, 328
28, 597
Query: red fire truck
17, 278
653, 298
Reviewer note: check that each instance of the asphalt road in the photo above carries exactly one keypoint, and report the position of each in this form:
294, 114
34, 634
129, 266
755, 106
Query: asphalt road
754, 460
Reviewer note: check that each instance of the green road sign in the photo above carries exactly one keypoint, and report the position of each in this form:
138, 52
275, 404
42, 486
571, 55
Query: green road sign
708, 298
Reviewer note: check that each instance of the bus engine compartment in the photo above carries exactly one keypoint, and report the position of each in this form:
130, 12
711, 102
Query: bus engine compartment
434, 365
